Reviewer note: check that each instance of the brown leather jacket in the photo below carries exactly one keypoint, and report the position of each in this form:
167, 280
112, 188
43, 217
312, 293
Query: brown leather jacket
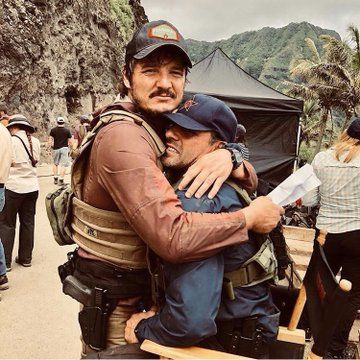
122, 175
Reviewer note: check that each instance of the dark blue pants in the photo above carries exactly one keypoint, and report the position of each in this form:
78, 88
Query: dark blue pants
343, 251
24, 205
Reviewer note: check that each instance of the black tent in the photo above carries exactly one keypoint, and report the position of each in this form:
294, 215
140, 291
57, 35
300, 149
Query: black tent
270, 117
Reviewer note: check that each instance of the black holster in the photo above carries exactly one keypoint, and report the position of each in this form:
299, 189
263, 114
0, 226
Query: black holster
281, 250
93, 320
243, 337
99, 286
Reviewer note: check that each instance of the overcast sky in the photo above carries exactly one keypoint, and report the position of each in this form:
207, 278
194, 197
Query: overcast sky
219, 19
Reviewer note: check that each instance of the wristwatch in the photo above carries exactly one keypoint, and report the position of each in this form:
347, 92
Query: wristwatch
236, 156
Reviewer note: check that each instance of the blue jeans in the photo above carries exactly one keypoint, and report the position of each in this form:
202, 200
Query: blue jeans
2, 260
2, 198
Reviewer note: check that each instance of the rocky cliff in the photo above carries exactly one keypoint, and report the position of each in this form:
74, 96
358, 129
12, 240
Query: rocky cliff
62, 57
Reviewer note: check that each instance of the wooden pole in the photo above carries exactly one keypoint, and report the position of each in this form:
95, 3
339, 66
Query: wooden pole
298, 309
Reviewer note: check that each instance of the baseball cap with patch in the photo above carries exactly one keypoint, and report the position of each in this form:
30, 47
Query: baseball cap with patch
206, 113
152, 36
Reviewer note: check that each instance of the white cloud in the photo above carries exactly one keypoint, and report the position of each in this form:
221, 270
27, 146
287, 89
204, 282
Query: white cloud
213, 20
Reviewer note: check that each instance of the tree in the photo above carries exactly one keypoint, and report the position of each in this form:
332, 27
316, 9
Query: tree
332, 82
310, 85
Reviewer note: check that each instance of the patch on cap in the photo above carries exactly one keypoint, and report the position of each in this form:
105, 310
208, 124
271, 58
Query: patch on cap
164, 31
188, 104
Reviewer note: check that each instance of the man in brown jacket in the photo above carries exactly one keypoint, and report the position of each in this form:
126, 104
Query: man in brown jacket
123, 176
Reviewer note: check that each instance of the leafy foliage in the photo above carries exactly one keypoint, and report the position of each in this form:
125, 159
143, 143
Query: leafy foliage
331, 81
123, 15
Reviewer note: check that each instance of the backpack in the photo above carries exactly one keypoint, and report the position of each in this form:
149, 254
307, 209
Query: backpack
59, 203
58, 208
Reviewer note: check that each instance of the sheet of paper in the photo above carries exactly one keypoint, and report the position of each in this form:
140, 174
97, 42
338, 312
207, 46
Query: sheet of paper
295, 186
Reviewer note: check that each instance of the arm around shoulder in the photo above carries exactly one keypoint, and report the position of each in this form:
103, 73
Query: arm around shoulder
127, 169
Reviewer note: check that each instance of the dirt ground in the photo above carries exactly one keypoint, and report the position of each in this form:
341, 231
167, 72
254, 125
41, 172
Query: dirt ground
37, 320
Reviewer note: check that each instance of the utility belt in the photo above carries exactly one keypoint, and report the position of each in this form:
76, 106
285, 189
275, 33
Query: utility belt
259, 268
99, 286
243, 337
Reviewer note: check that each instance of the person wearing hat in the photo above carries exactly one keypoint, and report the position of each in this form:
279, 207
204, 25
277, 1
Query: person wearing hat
60, 140
123, 175
194, 290
21, 193
81, 130
6, 158
79, 133
338, 169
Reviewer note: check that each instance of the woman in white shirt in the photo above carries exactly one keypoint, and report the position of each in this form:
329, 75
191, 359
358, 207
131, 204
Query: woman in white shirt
339, 215
22, 190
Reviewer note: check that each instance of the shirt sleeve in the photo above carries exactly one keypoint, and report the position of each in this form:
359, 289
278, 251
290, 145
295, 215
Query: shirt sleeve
52, 132
6, 154
127, 170
312, 198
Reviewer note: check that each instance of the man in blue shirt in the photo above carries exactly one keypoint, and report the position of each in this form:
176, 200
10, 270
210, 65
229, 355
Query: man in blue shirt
194, 308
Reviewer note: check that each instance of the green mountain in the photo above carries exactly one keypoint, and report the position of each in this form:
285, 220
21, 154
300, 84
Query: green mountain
267, 53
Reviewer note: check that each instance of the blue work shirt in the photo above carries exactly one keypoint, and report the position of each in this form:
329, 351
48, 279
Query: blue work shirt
193, 294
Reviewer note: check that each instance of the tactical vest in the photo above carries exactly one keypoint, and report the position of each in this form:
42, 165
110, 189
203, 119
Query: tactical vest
103, 233
260, 267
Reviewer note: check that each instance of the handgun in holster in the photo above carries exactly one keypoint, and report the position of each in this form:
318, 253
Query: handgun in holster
243, 337
69, 267
94, 315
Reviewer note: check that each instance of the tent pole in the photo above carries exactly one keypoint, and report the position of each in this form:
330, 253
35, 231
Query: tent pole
296, 162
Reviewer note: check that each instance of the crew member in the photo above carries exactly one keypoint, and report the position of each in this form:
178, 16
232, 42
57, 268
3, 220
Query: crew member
60, 140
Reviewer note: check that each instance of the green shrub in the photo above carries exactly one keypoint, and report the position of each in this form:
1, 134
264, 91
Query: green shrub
123, 15
306, 152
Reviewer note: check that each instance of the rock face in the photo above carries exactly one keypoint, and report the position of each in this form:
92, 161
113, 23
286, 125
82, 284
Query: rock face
63, 57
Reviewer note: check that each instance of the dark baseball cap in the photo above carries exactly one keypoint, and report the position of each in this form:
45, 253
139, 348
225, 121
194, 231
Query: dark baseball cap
152, 36
206, 113
354, 128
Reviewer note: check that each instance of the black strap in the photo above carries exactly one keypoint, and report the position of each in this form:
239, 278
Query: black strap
119, 283
27, 150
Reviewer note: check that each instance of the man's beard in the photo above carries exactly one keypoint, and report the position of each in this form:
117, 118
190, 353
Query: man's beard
174, 164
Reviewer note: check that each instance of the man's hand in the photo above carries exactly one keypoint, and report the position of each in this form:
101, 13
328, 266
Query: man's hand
131, 324
322, 237
211, 169
262, 215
